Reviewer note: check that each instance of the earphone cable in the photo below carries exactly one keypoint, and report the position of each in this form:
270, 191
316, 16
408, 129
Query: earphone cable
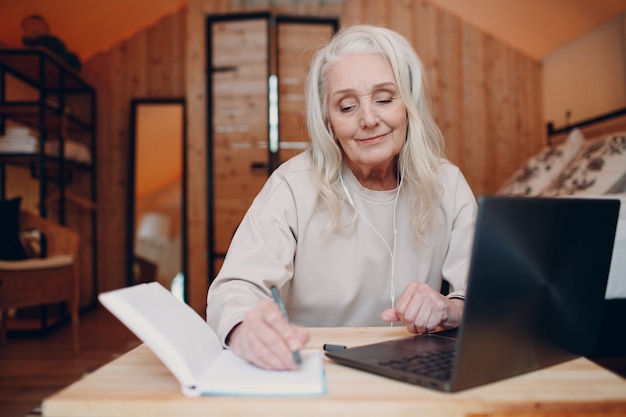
392, 252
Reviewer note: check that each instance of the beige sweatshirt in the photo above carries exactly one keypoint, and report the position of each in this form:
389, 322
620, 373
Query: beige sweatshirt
340, 278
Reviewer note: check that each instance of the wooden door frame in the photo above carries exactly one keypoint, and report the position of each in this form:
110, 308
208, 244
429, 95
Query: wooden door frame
130, 205
272, 158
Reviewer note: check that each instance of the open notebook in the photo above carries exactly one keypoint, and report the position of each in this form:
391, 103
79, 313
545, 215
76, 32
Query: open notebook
183, 341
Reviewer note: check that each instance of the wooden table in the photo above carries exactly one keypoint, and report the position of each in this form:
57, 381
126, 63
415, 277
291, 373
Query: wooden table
138, 384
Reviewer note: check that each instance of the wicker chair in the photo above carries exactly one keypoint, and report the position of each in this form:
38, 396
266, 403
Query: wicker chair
40, 281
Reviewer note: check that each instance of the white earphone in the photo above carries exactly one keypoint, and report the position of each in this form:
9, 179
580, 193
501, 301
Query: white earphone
392, 251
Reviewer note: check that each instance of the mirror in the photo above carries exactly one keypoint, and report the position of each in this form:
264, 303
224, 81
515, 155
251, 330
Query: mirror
156, 201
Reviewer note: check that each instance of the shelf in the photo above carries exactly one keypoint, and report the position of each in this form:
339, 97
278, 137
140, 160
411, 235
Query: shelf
51, 162
41, 92
37, 320
28, 113
38, 67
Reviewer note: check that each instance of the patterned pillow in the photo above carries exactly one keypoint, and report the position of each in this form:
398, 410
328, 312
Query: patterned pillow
598, 168
539, 171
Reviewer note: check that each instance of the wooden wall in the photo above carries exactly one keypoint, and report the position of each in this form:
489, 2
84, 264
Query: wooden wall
587, 77
486, 98
150, 64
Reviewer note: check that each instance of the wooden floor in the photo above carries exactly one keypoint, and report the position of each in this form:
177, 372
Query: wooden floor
34, 367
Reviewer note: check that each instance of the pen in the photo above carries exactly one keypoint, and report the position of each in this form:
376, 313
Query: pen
279, 301
329, 348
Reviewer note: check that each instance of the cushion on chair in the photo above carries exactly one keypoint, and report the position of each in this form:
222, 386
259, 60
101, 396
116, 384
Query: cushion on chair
10, 246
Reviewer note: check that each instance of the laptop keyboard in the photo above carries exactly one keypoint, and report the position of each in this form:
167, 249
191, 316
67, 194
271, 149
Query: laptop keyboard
435, 364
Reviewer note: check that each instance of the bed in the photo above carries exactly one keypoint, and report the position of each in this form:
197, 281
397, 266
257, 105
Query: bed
586, 160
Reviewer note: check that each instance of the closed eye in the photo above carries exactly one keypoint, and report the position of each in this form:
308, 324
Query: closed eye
384, 99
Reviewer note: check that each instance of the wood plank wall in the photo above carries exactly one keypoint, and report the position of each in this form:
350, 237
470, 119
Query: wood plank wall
150, 64
240, 108
485, 96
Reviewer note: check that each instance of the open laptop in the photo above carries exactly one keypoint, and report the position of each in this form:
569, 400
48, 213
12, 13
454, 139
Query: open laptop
536, 288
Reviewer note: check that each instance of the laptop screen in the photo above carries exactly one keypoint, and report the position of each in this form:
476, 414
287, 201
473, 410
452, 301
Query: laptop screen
535, 293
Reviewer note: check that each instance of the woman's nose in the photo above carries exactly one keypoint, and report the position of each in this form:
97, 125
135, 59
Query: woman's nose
369, 118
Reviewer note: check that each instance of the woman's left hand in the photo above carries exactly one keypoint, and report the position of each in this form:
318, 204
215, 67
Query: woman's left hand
422, 309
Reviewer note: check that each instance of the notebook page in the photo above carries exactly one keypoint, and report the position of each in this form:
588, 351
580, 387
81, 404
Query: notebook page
176, 334
231, 375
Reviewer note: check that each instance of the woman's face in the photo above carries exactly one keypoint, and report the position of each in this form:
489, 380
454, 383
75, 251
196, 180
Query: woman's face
367, 115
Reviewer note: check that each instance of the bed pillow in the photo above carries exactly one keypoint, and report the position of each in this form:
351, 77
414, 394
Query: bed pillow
599, 167
10, 246
540, 170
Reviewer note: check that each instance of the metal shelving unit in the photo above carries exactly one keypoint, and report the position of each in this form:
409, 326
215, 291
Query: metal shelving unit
60, 106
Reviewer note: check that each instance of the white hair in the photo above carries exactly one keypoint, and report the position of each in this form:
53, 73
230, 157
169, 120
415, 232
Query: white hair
423, 148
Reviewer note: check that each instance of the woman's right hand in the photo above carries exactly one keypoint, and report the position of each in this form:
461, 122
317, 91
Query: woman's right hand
265, 339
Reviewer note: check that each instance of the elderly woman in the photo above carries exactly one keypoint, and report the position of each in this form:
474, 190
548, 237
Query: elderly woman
359, 230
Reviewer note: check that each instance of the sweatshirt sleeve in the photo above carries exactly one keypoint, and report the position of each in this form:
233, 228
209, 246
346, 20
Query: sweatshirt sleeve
457, 261
260, 255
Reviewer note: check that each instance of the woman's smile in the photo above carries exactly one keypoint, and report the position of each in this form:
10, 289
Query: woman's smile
373, 139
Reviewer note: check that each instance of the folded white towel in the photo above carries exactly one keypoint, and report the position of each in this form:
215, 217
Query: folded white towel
73, 150
17, 131
18, 147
